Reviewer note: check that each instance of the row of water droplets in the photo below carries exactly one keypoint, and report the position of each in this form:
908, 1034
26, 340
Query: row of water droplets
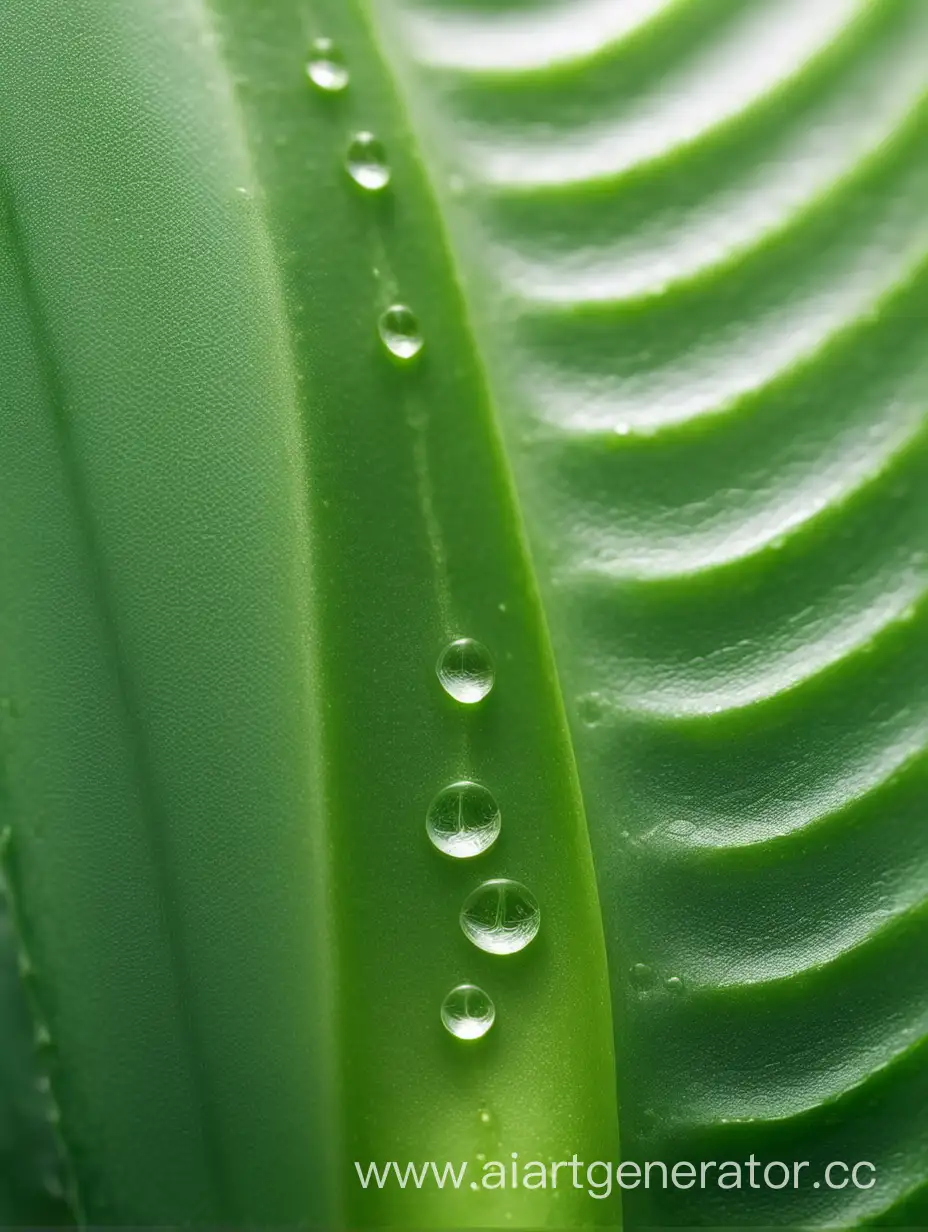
500, 916
464, 820
367, 164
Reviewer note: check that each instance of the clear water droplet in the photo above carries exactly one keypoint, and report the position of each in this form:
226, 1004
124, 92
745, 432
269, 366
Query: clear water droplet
641, 975
463, 820
501, 916
674, 983
592, 709
466, 670
326, 67
366, 162
468, 1012
399, 331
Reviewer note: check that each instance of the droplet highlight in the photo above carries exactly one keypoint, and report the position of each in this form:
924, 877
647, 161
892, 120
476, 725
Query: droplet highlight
463, 820
642, 976
467, 1012
466, 670
501, 916
326, 67
673, 983
592, 709
399, 331
366, 162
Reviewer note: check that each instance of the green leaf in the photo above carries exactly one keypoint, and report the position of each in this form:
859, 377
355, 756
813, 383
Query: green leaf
235, 540
694, 239
31, 1182
663, 452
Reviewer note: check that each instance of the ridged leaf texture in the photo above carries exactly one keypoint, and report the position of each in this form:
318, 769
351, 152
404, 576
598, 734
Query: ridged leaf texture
664, 452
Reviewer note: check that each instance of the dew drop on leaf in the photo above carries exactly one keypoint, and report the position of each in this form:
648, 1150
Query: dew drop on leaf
466, 670
463, 820
468, 1012
399, 331
674, 983
591, 709
366, 162
501, 916
326, 67
642, 976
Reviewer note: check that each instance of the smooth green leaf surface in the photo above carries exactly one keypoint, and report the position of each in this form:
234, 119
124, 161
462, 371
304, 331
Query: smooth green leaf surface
236, 539
664, 451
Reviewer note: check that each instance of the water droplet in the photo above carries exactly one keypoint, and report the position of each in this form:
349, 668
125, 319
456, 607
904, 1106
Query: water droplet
326, 67
468, 1012
466, 670
591, 709
463, 820
641, 975
399, 331
366, 162
674, 983
501, 916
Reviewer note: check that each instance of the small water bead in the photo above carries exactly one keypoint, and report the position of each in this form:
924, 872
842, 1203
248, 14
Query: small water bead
399, 331
463, 820
326, 67
366, 162
591, 709
673, 983
642, 976
468, 1012
466, 670
501, 916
